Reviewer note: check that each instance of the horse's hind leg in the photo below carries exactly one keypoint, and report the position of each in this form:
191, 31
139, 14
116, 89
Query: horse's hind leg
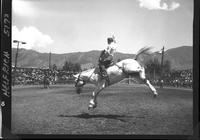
146, 81
151, 87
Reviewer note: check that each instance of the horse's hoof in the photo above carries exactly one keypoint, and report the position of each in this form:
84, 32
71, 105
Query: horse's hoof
155, 95
92, 107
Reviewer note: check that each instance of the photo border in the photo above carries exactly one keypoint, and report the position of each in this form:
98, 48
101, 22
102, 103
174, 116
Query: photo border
6, 95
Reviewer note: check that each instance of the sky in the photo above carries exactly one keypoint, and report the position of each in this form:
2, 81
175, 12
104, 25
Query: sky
65, 26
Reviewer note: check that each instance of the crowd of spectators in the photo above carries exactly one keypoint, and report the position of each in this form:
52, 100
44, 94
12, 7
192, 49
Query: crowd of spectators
178, 78
27, 76
34, 76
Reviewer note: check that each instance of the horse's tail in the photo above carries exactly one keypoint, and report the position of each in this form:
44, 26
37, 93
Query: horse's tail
144, 50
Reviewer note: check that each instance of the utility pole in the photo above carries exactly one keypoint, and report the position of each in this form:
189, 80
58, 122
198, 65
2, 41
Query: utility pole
161, 80
16, 56
50, 60
154, 71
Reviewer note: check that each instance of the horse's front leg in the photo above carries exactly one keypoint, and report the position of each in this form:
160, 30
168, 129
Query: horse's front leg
98, 89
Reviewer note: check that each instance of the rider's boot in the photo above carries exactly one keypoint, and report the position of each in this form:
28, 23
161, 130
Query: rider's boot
107, 79
105, 76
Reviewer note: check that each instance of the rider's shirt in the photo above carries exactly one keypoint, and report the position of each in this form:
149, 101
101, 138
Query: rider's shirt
112, 48
105, 58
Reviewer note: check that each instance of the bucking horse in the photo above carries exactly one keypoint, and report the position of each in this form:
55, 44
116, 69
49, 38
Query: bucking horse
116, 72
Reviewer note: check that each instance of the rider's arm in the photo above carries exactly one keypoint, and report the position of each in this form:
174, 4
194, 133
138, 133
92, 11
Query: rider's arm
109, 58
102, 53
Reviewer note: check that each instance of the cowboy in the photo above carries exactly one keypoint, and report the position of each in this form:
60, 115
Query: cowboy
106, 57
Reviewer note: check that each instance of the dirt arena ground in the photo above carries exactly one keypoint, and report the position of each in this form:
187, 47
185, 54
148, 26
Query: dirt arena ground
122, 109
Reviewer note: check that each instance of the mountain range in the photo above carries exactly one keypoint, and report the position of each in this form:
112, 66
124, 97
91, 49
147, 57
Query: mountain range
181, 58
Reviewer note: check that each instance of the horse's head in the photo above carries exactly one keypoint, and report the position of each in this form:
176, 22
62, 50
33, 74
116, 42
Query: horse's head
79, 83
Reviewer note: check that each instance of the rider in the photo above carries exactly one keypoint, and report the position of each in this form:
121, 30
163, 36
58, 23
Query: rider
106, 57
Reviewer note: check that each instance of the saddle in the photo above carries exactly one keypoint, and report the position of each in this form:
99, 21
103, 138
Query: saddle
97, 71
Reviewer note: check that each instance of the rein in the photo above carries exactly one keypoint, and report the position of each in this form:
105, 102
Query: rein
118, 66
90, 75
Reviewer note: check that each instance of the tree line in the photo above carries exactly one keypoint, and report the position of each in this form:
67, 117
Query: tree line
154, 68
69, 66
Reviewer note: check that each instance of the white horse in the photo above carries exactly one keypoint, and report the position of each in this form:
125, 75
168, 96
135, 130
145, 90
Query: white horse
116, 73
